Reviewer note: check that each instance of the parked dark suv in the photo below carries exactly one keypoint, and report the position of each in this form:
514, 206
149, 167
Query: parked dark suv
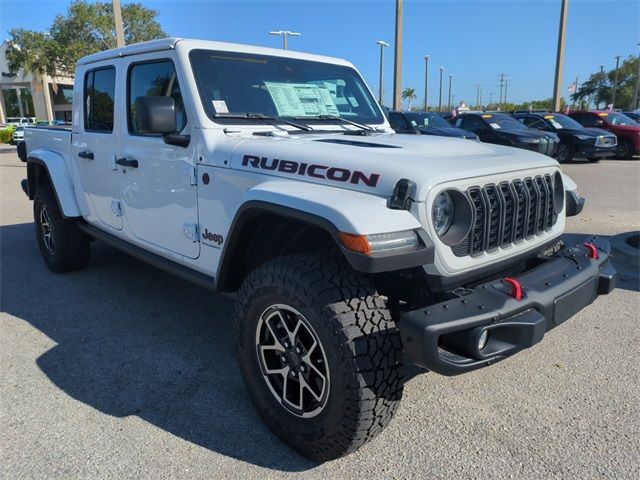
626, 129
592, 143
505, 130
426, 123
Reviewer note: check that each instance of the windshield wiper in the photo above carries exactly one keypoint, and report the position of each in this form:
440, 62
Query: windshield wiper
366, 128
262, 116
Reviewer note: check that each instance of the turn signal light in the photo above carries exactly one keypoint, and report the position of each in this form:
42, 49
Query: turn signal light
593, 250
516, 288
355, 243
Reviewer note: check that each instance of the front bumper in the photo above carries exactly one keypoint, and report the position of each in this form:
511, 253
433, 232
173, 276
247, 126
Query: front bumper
590, 150
444, 337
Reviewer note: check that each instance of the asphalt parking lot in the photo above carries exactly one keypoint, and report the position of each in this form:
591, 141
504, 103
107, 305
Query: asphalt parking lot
123, 371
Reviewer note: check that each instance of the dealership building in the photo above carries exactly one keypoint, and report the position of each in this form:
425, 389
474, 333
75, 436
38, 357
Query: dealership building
26, 95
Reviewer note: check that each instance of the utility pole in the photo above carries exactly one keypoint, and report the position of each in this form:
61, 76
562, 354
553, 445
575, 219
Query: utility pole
397, 67
285, 34
449, 104
575, 93
615, 83
477, 95
426, 83
117, 18
634, 102
440, 94
490, 99
480, 101
557, 81
501, 87
383, 45
601, 84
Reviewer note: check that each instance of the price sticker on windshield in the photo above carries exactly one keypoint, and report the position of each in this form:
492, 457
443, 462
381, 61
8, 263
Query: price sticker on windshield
220, 106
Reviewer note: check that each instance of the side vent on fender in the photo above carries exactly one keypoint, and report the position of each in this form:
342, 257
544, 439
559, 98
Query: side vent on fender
402, 193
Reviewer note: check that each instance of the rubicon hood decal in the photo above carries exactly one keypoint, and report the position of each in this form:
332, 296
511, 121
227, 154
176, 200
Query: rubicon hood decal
314, 170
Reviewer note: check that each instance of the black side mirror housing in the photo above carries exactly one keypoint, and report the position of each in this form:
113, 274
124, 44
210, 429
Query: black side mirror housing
156, 114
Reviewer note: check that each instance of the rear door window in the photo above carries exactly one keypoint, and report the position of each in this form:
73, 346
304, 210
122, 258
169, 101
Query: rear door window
99, 93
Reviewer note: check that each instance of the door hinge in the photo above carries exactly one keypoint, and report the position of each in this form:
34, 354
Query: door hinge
193, 179
190, 230
116, 208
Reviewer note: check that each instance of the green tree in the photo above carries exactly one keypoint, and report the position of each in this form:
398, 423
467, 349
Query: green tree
409, 94
599, 87
85, 29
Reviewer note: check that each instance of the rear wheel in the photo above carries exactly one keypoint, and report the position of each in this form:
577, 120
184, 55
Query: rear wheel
320, 354
62, 245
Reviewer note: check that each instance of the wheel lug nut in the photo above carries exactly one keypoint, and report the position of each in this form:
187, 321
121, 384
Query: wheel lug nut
303, 368
298, 350
283, 358
293, 373
287, 344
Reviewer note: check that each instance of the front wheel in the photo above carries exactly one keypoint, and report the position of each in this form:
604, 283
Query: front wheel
564, 153
320, 354
624, 150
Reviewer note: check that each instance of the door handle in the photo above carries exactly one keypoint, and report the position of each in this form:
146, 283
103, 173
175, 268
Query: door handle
127, 162
86, 154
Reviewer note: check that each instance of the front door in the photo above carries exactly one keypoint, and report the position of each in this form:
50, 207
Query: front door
96, 143
159, 192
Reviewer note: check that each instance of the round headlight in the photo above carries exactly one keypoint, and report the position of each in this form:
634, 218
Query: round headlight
442, 213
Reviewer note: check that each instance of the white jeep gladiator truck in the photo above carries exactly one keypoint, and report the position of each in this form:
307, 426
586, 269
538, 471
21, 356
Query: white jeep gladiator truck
351, 250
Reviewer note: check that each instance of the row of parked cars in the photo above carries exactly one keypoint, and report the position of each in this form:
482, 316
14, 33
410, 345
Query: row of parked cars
591, 134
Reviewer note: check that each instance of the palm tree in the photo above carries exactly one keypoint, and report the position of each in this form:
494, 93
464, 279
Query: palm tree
409, 94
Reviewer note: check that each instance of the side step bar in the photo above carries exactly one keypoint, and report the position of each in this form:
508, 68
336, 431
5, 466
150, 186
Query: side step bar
153, 259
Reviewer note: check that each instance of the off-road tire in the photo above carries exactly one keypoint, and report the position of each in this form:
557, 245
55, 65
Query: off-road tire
70, 246
360, 339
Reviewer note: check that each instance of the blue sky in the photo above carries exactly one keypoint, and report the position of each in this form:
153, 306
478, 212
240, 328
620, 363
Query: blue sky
475, 40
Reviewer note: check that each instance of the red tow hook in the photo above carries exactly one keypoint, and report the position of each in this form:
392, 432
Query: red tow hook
593, 250
516, 288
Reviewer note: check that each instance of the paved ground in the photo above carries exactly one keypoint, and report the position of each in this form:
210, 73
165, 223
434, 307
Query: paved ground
122, 371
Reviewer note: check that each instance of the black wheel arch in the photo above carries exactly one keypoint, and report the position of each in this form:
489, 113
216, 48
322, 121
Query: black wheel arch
37, 175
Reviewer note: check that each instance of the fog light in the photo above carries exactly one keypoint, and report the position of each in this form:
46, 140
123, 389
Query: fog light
482, 340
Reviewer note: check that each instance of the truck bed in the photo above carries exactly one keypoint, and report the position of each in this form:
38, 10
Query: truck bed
51, 138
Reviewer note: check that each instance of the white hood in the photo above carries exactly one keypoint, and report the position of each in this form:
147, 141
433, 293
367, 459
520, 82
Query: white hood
374, 163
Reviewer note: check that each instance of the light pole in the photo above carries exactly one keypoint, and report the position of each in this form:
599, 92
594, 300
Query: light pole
557, 81
491, 94
480, 101
440, 94
450, 79
601, 84
615, 83
477, 95
634, 102
426, 83
397, 66
382, 47
285, 34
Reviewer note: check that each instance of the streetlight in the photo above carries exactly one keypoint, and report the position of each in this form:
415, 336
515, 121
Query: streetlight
450, 79
285, 34
440, 94
557, 81
615, 83
426, 83
491, 94
382, 47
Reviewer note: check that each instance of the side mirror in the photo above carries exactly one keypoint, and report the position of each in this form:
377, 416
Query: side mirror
156, 114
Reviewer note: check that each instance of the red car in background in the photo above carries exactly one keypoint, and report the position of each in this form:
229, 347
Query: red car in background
626, 129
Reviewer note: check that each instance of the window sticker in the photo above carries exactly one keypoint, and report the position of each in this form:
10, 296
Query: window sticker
301, 99
548, 117
220, 106
603, 114
486, 116
494, 125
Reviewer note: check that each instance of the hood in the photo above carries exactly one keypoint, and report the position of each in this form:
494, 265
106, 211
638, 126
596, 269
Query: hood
625, 128
595, 131
374, 163
448, 132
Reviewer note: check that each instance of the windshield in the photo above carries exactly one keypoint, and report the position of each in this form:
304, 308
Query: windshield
615, 118
562, 121
237, 83
500, 120
426, 120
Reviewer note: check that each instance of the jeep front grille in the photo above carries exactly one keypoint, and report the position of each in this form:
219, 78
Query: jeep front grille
507, 213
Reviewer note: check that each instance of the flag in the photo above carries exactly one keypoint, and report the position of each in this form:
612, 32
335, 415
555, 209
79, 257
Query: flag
454, 113
572, 88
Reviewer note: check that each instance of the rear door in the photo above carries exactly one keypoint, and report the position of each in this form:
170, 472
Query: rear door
159, 194
96, 142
